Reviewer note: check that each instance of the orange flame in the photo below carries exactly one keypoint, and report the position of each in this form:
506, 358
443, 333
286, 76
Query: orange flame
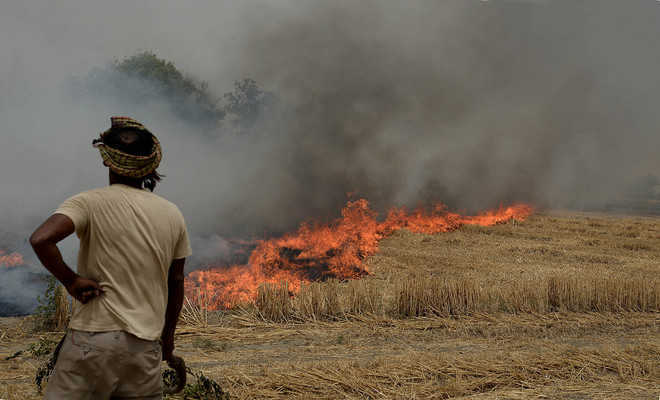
335, 250
10, 260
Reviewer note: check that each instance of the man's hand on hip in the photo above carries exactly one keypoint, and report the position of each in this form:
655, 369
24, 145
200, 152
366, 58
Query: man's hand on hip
83, 289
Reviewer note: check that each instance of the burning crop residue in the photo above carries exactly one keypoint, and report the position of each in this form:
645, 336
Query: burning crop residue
336, 250
10, 260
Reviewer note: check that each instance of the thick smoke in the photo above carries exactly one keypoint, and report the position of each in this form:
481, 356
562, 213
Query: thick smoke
472, 103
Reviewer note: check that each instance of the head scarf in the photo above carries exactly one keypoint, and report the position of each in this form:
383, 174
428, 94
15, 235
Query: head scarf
128, 164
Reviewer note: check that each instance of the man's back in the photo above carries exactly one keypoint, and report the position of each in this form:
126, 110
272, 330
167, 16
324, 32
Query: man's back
129, 285
128, 239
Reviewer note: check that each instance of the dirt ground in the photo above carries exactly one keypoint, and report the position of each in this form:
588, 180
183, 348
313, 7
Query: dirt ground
555, 355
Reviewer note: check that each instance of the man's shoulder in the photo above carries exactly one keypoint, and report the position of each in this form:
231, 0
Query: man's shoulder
91, 193
110, 194
165, 203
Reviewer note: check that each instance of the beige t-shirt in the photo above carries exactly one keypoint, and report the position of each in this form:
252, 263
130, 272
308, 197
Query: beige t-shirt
128, 239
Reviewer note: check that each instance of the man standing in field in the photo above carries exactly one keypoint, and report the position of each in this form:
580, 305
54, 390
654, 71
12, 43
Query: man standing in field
129, 287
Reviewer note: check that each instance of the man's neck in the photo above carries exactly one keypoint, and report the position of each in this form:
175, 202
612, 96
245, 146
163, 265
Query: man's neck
123, 180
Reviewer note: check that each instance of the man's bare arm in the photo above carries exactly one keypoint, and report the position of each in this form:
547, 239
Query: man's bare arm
44, 242
175, 279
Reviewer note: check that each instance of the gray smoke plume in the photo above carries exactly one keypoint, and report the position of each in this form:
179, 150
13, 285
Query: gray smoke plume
473, 103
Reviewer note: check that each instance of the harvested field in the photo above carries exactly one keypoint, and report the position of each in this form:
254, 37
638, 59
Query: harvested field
561, 306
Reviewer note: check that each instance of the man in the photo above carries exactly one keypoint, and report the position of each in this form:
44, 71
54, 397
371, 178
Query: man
128, 289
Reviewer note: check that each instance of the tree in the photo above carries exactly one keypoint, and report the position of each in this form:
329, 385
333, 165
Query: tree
247, 102
144, 78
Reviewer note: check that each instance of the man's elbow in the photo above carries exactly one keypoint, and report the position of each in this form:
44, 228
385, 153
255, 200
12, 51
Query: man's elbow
37, 240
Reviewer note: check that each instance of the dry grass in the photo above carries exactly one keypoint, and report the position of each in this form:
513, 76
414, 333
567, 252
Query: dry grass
254, 359
364, 297
437, 376
195, 312
329, 300
562, 306
62, 308
273, 302
14, 328
422, 296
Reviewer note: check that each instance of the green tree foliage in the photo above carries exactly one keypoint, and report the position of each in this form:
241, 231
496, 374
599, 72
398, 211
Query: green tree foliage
191, 97
247, 102
52, 313
144, 79
45, 312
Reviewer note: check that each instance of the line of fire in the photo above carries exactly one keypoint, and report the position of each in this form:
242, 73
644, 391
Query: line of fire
318, 252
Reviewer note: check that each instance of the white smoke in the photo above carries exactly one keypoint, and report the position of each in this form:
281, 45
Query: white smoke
468, 102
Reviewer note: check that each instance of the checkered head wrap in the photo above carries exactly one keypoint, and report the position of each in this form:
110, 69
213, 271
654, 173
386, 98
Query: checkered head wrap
128, 164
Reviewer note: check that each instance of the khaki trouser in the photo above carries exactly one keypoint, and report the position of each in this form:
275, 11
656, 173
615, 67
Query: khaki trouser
106, 365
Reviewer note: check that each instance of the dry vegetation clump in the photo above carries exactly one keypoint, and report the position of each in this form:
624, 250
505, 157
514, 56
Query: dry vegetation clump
319, 301
202, 387
195, 311
62, 309
364, 297
423, 296
273, 302
334, 300
420, 296
54, 309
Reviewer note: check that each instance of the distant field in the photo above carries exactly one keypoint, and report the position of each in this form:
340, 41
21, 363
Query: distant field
561, 306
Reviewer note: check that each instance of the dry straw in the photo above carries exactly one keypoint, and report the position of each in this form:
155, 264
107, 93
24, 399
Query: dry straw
195, 311
62, 308
424, 375
319, 301
419, 296
274, 302
422, 296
